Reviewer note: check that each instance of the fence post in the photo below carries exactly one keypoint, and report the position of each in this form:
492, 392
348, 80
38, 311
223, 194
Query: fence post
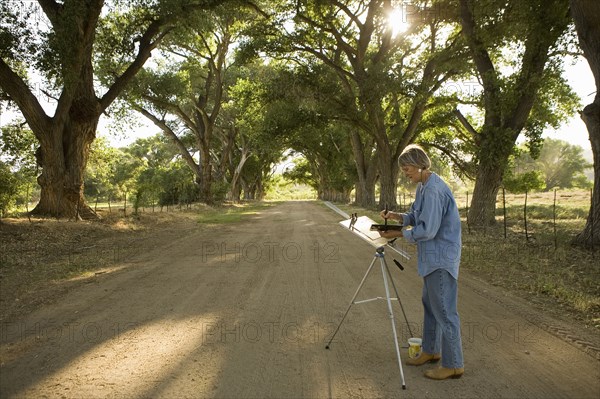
27, 203
77, 209
467, 218
525, 216
504, 209
554, 221
592, 219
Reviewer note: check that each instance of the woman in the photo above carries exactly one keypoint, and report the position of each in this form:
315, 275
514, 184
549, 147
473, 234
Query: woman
437, 232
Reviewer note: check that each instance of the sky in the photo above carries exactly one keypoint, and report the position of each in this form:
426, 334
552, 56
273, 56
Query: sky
580, 78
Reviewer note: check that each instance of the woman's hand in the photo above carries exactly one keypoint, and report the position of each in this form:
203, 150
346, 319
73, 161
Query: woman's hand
386, 215
391, 215
389, 234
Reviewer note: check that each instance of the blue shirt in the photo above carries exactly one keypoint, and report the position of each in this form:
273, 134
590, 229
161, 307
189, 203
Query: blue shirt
436, 227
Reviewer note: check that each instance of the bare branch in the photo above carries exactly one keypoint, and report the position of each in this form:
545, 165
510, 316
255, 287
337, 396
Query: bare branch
169, 107
150, 39
172, 136
463, 166
463, 121
29, 105
52, 9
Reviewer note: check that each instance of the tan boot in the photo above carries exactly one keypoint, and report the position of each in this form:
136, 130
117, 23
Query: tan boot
423, 358
441, 373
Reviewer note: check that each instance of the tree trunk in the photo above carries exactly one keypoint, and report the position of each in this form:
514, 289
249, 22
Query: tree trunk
586, 14
365, 187
244, 188
235, 187
366, 170
63, 157
365, 192
590, 236
494, 151
333, 195
206, 181
483, 204
388, 180
259, 191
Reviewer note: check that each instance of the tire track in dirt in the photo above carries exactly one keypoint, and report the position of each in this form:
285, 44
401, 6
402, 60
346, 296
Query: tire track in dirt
553, 326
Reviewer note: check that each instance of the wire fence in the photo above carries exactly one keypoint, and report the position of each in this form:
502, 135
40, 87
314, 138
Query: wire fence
531, 214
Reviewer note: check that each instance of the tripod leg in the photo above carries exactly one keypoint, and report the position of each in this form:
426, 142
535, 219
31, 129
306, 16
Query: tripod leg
352, 301
391, 313
398, 297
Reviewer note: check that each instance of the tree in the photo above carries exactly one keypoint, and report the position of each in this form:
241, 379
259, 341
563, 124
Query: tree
586, 14
177, 184
562, 164
259, 142
310, 129
187, 96
9, 189
17, 146
98, 177
557, 165
80, 39
523, 182
125, 174
157, 180
326, 165
385, 80
511, 99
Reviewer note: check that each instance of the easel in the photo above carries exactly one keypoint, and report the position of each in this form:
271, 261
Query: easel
380, 254
387, 280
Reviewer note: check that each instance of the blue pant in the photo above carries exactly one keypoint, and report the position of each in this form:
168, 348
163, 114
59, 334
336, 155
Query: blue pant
441, 324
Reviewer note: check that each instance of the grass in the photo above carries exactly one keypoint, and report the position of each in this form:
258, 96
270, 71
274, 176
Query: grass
567, 275
281, 190
231, 213
41, 256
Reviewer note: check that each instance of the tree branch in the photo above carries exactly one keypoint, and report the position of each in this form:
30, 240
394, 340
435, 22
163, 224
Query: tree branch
483, 63
172, 136
460, 163
173, 108
52, 9
537, 45
150, 39
463, 121
19, 92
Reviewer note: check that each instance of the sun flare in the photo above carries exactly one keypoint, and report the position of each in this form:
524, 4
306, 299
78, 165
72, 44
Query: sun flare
398, 22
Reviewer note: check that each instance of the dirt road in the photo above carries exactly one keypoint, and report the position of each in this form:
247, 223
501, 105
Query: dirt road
244, 311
